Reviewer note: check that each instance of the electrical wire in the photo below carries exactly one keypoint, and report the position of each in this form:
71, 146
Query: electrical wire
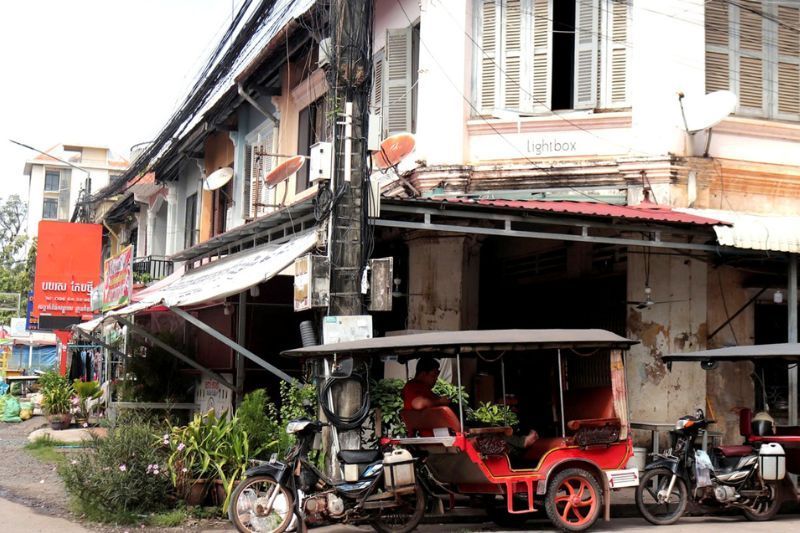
342, 422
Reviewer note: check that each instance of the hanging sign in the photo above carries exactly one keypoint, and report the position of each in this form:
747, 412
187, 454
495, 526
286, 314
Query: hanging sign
118, 279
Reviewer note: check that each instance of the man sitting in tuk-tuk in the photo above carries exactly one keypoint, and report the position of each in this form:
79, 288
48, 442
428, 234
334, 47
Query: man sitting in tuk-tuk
418, 395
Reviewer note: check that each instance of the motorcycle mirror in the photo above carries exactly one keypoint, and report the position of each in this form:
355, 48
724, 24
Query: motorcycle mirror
342, 367
708, 364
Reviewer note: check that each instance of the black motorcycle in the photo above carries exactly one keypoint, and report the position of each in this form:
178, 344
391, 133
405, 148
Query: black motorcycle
275, 495
729, 477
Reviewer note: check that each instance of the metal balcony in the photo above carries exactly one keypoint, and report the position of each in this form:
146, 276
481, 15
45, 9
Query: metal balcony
155, 266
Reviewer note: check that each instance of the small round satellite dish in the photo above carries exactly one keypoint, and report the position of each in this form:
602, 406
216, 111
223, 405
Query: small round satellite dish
393, 150
708, 110
284, 170
217, 179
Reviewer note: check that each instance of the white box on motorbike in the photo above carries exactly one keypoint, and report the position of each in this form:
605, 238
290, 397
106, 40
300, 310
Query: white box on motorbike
772, 461
398, 471
351, 473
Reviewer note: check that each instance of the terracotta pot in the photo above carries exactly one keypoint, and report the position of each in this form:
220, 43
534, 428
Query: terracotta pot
56, 422
218, 492
196, 493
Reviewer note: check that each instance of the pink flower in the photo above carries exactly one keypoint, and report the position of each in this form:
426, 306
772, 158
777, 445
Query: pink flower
75, 400
184, 470
181, 446
122, 468
73, 462
86, 424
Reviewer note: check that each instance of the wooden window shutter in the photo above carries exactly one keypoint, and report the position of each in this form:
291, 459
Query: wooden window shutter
542, 44
397, 81
586, 54
718, 46
376, 97
512, 55
751, 58
489, 75
788, 66
259, 166
63, 195
617, 54
248, 173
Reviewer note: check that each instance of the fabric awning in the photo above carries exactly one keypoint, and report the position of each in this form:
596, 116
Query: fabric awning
773, 233
227, 276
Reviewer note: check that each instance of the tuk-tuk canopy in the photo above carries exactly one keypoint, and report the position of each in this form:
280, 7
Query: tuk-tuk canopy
449, 343
787, 350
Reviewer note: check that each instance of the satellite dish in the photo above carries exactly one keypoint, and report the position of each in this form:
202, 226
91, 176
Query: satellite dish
284, 170
217, 179
394, 149
708, 110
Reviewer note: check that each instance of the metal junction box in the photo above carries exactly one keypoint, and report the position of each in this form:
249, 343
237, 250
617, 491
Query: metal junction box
320, 162
312, 280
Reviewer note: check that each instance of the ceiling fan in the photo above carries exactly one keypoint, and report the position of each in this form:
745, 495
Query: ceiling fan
648, 292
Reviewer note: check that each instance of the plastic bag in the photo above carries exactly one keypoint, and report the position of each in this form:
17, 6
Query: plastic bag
11, 411
25, 410
702, 468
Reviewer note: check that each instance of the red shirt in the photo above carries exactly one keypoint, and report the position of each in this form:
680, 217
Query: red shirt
414, 389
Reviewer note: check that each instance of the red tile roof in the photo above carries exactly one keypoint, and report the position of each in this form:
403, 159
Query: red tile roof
645, 212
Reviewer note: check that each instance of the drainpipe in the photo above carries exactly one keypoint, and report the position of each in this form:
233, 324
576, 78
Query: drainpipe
256, 105
792, 336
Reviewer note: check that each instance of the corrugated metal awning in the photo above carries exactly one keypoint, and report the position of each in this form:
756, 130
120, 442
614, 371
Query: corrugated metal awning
786, 350
773, 233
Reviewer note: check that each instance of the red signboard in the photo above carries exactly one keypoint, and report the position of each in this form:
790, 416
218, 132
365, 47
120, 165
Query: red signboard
68, 260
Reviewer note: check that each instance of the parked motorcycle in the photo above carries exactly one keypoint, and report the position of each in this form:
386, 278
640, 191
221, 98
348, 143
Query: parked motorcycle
731, 477
381, 490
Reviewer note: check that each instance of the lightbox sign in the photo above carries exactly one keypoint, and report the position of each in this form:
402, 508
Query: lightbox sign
68, 259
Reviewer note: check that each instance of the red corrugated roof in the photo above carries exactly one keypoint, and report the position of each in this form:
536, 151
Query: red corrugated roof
646, 211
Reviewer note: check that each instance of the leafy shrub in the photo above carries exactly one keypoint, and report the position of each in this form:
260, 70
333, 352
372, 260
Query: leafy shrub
259, 418
50, 379
386, 396
448, 390
119, 476
493, 415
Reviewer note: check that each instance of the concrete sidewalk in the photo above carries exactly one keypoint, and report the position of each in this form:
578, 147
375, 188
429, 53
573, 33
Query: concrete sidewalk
16, 518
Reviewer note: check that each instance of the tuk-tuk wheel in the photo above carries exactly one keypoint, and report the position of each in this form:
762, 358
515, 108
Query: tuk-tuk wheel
573, 500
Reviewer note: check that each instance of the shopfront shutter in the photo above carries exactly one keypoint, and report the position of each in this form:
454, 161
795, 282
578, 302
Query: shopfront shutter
542, 54
512, 55
397, 82
788, 68
618, 54
586, 54
718, 46
489, 75
751, 59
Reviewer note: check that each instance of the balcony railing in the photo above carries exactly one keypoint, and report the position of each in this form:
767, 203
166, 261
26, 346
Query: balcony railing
153, 266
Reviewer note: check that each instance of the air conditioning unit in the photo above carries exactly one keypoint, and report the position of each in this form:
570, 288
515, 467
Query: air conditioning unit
312, 280
320, 162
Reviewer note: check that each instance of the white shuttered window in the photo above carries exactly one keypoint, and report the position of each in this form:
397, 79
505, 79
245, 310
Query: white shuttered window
520, 64
753, 49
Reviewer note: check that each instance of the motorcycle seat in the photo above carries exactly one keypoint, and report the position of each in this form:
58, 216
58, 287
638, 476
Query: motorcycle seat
739, 450
359, 457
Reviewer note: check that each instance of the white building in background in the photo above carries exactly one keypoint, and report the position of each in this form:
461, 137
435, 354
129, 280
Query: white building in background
54, 186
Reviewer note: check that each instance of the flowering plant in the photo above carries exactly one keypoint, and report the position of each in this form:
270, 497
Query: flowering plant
85, 391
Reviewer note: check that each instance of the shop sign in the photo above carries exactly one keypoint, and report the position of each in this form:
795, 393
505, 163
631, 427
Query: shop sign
118, 279
68, 260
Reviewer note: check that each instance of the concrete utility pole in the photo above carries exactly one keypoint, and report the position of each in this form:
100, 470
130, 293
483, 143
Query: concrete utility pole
347, 104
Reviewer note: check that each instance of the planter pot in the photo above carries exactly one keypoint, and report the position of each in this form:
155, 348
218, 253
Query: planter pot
196, 491
217, 492
60, 421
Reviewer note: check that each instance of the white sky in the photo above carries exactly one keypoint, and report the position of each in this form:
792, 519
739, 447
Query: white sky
107, 72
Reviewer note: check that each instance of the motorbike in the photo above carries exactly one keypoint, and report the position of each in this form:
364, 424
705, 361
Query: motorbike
729, 477
379, 489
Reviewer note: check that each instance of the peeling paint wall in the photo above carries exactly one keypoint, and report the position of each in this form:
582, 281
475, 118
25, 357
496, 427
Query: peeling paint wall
676, 322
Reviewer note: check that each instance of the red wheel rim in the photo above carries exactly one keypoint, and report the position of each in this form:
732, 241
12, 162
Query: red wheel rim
576, 500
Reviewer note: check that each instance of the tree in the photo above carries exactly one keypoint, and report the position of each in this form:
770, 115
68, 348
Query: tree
16, 266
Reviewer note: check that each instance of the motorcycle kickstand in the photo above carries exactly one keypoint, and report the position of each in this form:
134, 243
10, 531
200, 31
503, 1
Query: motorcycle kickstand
301, 524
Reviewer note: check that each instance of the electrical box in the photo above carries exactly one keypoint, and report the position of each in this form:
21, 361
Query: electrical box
374, 124
312, 279
346, 328
381, 274
320, 162
324, 57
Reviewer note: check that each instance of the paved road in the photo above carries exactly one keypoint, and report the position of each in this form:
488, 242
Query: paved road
16, 518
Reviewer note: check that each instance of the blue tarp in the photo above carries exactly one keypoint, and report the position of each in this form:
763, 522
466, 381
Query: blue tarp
44, 357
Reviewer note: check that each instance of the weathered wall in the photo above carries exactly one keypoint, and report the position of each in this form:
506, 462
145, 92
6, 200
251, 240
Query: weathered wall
655, 393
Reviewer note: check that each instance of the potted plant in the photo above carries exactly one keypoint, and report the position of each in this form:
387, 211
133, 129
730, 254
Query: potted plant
57, 400
85, 391
493, 415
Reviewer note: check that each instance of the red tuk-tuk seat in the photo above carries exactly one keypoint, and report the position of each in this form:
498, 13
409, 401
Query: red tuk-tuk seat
422, 422
735, 450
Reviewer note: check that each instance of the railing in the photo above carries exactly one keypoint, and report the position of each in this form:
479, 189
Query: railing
154, 266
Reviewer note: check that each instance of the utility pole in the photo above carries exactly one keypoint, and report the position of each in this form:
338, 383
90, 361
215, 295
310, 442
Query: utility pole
350, 24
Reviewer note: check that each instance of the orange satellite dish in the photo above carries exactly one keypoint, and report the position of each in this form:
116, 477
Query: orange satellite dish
284, 170
393, 150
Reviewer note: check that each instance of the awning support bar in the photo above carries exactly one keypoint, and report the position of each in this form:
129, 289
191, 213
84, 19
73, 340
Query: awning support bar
161, 344
737, 313
105, 345
228, 342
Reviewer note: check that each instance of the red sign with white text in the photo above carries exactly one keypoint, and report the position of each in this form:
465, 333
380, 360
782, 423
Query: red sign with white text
68, 262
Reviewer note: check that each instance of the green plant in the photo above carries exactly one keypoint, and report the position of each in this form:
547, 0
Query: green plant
259, 419
172, 518
85, 391
120, 476
153, 375
142, 277
386, 396
50, 379
297, 401
450, 391
493, 415
43, 449
57, 398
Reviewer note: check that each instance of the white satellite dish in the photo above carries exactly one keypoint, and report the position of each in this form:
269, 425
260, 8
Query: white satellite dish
217, 179
708, 110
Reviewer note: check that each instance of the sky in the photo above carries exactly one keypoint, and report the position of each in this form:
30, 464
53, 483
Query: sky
96, 72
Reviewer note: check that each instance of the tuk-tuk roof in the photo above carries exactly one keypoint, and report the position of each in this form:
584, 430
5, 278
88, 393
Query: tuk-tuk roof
447, 343
789, 351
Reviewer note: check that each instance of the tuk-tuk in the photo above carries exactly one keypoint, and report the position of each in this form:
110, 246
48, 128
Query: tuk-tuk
571, 381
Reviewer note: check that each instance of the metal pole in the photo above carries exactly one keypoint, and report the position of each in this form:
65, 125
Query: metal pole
561, 396
460, 396
241, 331
792, 336
503, 376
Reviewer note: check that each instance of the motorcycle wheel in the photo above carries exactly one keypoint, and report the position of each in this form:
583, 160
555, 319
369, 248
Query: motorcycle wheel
573, 500
246, 510
656, 512
762, 510
403, 518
